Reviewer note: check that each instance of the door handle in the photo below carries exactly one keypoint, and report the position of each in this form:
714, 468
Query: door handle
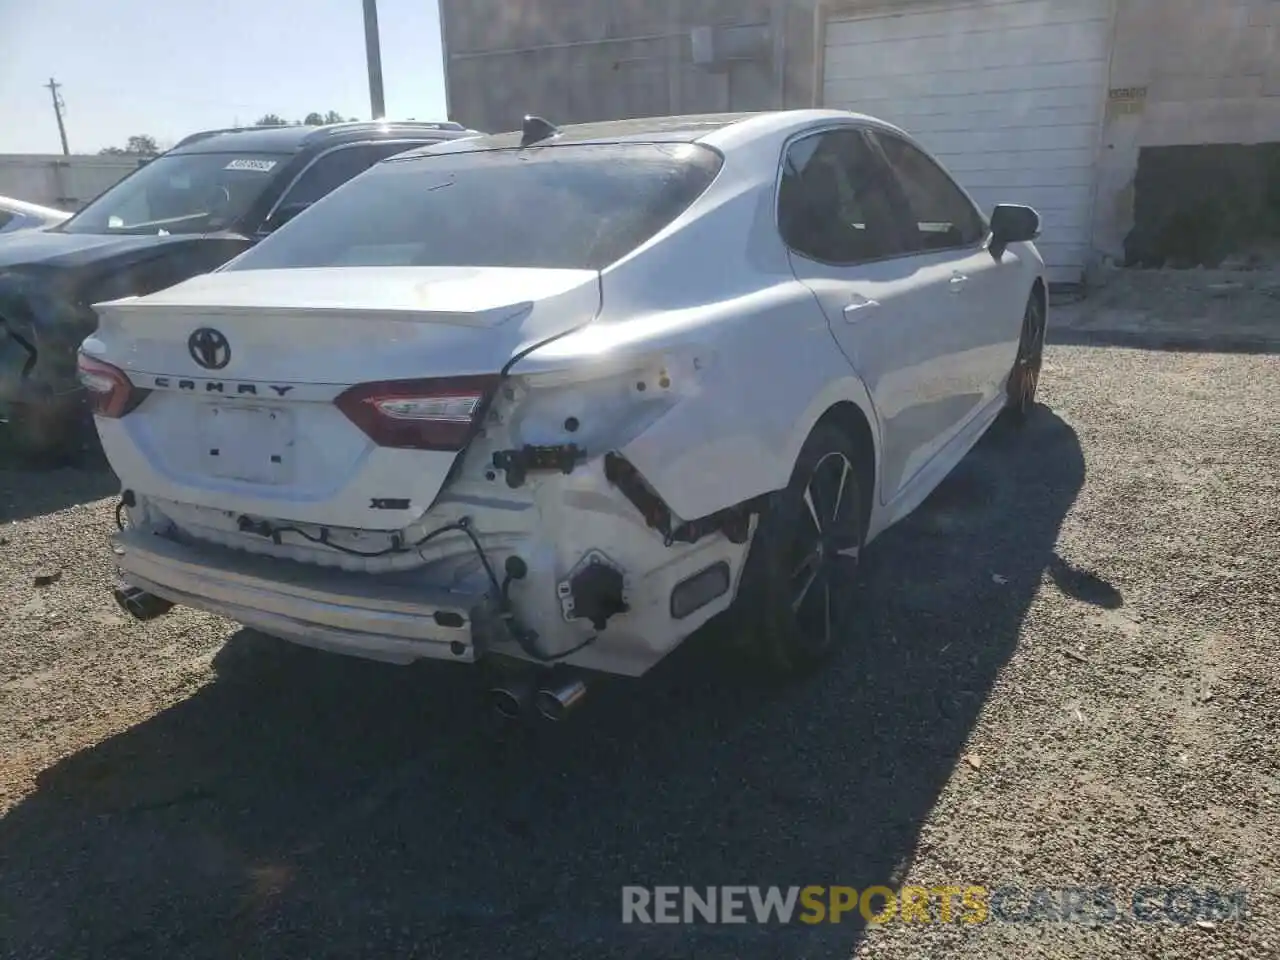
958, 280
856, 304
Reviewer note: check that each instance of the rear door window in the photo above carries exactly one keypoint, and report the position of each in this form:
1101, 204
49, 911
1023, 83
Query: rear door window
575, 206
942, 217
332, 170
832, 207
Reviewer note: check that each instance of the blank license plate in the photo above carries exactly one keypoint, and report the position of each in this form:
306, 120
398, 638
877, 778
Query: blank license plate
254, 444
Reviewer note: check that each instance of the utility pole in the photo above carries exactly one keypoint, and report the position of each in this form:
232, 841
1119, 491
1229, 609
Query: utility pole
58, 107
444, 55
373, 55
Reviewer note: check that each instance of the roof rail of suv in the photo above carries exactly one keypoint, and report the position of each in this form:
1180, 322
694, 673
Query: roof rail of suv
375, 124
329, 129
206, 134
407, 126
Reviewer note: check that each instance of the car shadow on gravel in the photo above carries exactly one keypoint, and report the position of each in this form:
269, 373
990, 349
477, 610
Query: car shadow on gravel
306, 805
28, 490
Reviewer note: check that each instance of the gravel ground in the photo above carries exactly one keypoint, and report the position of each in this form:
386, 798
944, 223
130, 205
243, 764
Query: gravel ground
1066, 677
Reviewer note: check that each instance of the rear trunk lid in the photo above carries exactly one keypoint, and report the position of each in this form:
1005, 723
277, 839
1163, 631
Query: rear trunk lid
244, 370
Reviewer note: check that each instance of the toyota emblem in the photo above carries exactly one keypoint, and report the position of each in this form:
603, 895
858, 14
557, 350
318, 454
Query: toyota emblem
209, 348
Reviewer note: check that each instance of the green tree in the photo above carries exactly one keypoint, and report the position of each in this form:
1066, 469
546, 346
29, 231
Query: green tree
140, 145
314, 119
271, 120
143, 144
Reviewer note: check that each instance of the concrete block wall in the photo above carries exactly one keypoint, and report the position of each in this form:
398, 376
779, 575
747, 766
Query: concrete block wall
65, 183
1211, 70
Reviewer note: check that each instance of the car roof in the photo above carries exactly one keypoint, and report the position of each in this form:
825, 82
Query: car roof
716, 129
295, 138
685, 128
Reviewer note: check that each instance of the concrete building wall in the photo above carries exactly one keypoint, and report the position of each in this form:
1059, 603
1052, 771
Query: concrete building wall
1183, 72
66, 183
579, 60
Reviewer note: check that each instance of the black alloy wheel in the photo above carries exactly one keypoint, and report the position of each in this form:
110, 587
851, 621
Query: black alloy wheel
1024, 379
798, 588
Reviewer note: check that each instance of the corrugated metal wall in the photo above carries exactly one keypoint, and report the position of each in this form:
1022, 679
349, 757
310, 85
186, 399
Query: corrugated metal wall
578, 60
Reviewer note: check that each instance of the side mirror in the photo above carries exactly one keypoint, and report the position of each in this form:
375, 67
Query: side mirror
283, 215
1012, 223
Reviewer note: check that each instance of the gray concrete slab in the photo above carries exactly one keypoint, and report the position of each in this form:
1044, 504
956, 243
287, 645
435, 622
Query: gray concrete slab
1208, 310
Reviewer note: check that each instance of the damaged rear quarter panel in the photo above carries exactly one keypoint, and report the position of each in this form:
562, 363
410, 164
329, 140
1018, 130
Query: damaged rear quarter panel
722, 417
775, 373
756, 363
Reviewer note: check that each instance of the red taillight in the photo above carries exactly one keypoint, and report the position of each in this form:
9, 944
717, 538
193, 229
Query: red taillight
419, 414
110, 389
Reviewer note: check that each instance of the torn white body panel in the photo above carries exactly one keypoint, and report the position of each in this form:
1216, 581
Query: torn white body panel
552, 520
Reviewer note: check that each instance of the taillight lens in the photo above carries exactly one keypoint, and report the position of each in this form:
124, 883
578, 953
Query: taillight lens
434, 414
112, 393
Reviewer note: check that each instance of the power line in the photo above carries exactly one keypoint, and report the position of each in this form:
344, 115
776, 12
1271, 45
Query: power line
58, 106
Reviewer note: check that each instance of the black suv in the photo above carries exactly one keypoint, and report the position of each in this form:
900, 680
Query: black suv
184, 213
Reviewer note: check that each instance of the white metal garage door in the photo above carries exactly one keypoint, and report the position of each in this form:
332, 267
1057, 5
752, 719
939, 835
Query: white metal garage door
1009, 94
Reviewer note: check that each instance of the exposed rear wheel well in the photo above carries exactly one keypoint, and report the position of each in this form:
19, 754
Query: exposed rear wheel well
852, 422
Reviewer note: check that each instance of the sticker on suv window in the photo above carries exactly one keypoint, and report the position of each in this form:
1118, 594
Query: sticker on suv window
261, 166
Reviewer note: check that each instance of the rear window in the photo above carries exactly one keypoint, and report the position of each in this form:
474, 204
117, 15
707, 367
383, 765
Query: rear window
579, 206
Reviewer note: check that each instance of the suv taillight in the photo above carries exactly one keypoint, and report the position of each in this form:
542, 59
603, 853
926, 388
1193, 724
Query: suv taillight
112, 393
436, 414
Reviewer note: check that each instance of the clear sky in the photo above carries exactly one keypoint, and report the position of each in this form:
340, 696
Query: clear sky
170, 67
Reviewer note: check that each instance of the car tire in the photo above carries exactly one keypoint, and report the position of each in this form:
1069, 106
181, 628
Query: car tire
1024, 378
796, 595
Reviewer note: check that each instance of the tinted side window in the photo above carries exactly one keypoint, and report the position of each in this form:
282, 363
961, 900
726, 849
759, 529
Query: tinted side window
5, 217
831, 206
334, 169
943, 216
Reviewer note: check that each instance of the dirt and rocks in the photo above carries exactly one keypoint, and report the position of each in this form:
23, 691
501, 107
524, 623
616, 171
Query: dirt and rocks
1067, 677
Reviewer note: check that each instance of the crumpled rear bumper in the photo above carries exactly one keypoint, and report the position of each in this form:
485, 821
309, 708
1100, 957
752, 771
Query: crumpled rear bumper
397, 618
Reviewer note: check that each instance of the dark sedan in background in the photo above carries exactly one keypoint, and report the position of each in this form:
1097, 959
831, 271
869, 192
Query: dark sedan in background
184, 213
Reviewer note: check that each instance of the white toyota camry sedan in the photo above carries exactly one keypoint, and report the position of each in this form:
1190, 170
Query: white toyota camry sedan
560, 396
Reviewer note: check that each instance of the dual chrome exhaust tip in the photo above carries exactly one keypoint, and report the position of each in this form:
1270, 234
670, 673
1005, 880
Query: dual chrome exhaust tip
553, 702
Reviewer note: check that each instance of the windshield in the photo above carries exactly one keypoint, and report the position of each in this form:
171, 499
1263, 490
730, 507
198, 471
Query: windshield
578, 206
181, 193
